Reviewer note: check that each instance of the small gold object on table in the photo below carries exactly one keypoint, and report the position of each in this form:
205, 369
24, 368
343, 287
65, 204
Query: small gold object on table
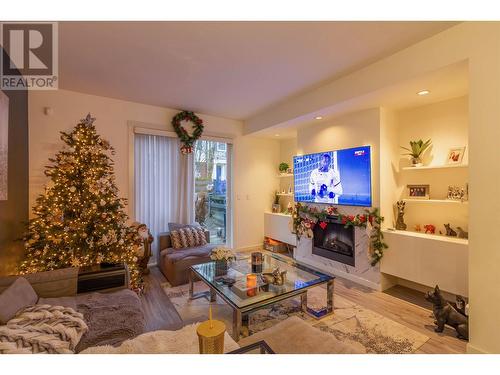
211, 335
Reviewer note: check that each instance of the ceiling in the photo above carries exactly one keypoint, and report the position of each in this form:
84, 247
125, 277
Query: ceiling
446, 83
228, 69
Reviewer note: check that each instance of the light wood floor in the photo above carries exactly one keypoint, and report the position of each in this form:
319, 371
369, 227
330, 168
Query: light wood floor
400, 304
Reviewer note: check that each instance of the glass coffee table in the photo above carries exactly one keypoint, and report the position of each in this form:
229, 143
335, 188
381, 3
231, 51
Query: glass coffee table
244, 296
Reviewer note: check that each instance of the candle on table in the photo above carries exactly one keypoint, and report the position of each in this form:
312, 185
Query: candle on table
251, 285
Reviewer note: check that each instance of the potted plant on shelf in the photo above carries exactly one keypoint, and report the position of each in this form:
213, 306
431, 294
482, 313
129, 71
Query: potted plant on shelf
283, 167
417, 148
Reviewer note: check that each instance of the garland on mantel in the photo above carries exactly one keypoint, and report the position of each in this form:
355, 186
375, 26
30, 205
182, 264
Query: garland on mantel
306, 217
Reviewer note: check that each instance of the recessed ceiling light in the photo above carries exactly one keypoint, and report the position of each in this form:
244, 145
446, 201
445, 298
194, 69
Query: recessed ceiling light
423, 92
318, 118
276, 135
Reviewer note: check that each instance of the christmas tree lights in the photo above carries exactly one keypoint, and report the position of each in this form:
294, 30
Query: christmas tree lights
79, 220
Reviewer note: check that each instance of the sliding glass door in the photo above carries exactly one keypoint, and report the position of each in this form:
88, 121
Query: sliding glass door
212, 173
174, 188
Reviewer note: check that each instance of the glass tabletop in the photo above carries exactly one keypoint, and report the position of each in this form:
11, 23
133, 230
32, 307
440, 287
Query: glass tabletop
245, 292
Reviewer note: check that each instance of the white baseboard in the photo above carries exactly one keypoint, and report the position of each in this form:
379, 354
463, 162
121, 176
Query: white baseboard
471, 349
339, 273
249, 248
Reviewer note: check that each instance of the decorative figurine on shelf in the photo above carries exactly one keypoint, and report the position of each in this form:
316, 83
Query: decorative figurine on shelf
462, 233
445, 313
276, 277
289, 208
400, 222
276, 204
429, 229
416, 151
449, 231
456, 193
418, 228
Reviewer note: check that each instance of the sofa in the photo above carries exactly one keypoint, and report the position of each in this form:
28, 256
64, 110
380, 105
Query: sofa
175, 263
111, 317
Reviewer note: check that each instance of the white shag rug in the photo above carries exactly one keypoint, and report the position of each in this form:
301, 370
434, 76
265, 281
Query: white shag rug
182, 341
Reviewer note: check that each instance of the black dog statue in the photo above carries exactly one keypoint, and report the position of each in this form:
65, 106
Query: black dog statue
447, 314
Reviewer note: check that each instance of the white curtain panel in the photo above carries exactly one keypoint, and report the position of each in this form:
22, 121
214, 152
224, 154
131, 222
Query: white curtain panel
164, 184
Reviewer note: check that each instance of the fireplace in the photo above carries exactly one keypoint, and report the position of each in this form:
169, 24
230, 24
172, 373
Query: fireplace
334, 241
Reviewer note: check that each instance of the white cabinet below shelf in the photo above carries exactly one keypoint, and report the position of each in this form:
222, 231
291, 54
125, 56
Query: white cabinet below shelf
277, 227
427, 260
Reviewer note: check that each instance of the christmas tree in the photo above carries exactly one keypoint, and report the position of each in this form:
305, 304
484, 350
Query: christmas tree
79, 220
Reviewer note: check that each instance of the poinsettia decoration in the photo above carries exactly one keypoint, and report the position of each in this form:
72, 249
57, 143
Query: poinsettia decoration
187, 139
306, 217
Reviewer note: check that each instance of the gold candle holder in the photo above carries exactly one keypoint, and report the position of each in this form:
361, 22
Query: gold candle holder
211, 335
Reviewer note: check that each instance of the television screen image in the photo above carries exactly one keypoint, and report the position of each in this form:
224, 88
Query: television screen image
335, 177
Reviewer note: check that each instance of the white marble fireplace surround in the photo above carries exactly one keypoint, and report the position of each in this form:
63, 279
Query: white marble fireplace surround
363, 273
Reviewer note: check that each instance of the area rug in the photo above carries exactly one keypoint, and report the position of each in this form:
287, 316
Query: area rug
350, 323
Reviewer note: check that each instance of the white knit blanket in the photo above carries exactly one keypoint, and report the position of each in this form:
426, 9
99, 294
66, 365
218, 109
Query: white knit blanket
42, 329
183, 341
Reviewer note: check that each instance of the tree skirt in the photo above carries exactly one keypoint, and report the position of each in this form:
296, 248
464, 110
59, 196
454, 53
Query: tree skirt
350, 323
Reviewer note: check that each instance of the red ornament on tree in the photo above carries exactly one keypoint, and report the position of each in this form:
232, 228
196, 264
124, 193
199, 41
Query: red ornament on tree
323, 225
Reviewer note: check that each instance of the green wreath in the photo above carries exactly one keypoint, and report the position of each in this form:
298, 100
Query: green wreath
186, 139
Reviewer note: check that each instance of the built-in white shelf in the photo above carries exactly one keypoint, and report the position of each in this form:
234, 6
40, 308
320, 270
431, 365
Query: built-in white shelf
278, 214
285, 194
282, 175
445, 166
431, 201
436, 237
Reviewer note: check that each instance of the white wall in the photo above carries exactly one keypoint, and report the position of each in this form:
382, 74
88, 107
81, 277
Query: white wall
446, 123
255, 169
389, 161
288, 149
254, 158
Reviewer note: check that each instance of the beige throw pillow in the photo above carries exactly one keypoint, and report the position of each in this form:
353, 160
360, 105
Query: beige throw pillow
188, 237
16, 297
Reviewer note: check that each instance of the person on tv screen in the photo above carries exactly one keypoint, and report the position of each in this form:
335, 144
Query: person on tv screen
324, 182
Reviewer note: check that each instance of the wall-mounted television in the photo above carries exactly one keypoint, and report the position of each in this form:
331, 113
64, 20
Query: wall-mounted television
340, 177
